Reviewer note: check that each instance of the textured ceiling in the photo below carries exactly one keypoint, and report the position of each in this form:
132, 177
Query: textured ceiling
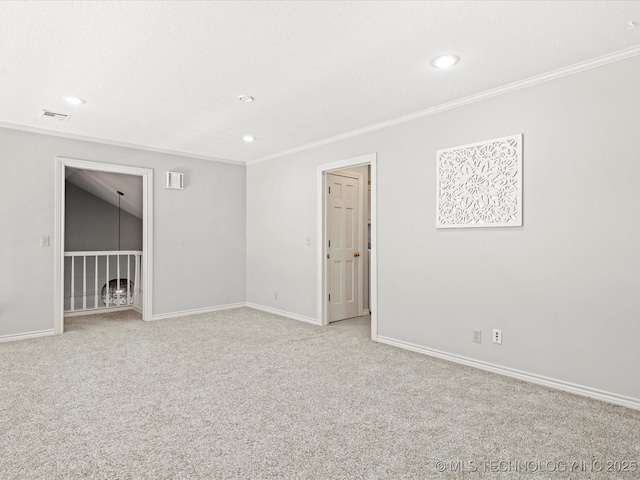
166, 75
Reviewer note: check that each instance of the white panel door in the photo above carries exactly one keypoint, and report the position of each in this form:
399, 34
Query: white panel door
343, 230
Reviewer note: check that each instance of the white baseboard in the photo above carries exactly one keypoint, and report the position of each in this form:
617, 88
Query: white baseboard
24, 336
282, 313
366, 312
609, 397
197, 311
95, 311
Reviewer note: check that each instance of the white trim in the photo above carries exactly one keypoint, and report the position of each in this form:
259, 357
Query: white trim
58, 247
511, 87
478, 97
61, 163
629, 402
373, 260
321, 280
197, 311
96, 311
91, 253
282, 313
104, 141
147, 245
24, 336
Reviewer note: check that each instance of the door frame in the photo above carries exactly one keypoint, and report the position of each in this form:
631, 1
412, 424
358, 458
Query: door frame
322, 280
61, 164
345, 172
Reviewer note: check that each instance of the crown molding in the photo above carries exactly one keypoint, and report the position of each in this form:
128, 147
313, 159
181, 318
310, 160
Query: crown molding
115, 143
478, 97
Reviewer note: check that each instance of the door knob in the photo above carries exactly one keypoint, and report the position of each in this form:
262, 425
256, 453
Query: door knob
356, 254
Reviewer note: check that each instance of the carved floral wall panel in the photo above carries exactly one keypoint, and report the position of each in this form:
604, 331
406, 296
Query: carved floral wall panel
480, 185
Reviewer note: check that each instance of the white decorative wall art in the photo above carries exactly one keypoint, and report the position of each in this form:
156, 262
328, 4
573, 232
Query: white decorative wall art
480, 185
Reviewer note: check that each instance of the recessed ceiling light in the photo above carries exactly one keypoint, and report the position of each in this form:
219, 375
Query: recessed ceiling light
246, 98
445, 61
248, 138
74, 100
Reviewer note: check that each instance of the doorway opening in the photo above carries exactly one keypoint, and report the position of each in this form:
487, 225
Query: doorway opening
95, 257
347, 261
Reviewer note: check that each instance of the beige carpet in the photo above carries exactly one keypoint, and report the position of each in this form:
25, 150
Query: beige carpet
245, 394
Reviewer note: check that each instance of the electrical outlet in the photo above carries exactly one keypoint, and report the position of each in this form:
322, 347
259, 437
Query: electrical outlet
477, 336
275, 295
497, 336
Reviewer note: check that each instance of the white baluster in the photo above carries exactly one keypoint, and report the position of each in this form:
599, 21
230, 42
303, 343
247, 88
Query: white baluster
107, 299
95, 285
73, 278
137, 274
84, 282
118, 282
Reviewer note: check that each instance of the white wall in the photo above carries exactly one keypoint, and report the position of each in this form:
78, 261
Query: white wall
564, 288
199, 232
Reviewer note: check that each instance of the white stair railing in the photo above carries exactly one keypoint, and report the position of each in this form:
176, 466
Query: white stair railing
102, 280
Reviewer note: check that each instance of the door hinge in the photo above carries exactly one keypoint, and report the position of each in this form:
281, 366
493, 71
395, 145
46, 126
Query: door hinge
329, 190
329, 243
329, 297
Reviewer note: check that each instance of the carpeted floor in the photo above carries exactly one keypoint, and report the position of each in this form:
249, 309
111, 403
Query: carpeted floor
245, 394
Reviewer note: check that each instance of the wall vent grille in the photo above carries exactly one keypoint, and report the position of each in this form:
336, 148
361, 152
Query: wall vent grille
61, 117
175, 180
